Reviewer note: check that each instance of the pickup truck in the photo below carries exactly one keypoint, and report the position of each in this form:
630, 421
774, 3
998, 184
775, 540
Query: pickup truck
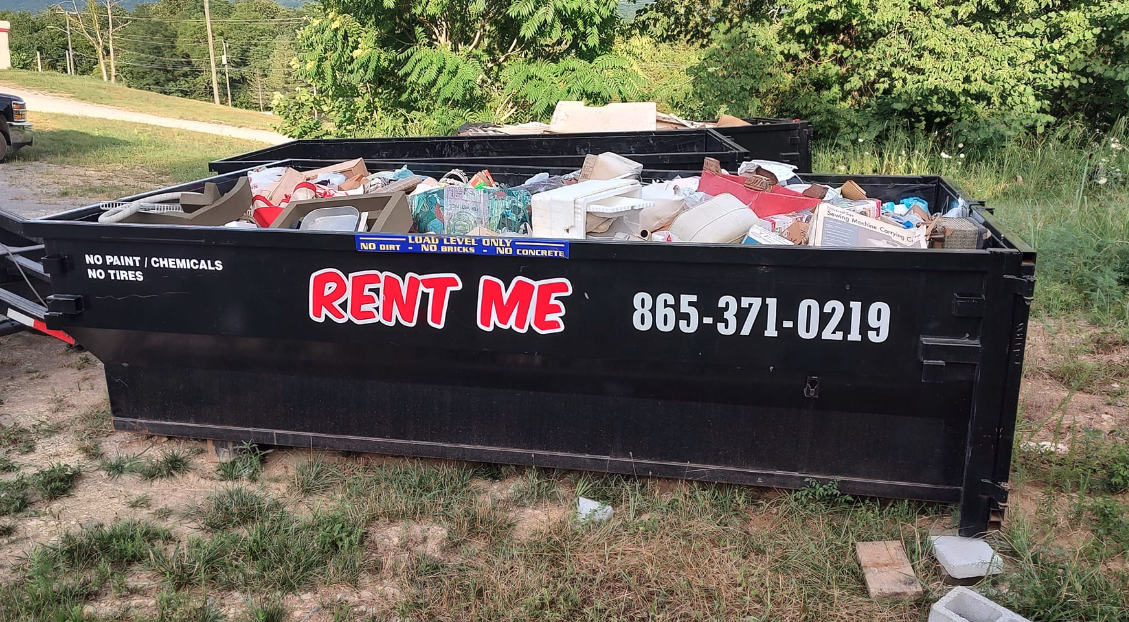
15, 131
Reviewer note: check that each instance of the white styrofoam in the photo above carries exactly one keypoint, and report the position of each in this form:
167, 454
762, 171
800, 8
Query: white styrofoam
964, 605
591, 511
563, 212
966, 558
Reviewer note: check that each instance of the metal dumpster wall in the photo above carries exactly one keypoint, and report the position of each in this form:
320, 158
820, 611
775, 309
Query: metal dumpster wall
882, 369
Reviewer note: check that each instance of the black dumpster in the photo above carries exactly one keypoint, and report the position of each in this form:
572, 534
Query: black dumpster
674, 150
894, 372
789, 140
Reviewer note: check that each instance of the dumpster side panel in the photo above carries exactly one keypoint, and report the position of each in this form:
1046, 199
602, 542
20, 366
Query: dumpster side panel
777, 364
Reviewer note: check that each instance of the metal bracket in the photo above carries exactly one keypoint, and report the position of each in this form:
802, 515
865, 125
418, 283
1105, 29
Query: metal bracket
811, 389
57, 264
64, 304
996, 491
1020, 285
968, 306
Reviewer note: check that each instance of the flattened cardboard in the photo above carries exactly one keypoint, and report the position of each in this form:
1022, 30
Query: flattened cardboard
852, 191
231, 206
389, 213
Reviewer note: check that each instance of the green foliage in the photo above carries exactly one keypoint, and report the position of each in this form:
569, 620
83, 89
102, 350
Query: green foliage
692, 22
816, 494
854, 65
408, 66
13, 496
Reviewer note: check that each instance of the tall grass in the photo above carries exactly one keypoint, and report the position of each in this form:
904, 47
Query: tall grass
1065, 192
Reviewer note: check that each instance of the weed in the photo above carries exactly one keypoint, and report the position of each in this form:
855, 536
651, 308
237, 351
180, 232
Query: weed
317, 475
479, 520
1110, 521
17, 437
120, 465
96, 422
13, 496
1094, 461
91, 449
181, 607
7, 529
494, 472
7, 465
1089, 377
412, 491
82, 362
140, 502
1041, 584
171, 463
233, 507
162, 513
45, 428
278, 552
247, 464
536, 486
55, 481
117, 545
266, 609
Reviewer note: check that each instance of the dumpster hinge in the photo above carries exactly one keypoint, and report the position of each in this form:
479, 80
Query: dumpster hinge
968, 306
997, 492
1020, 285
55, 265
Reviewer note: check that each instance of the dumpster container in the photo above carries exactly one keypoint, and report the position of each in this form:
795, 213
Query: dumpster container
673, 150
894, 372
790, 139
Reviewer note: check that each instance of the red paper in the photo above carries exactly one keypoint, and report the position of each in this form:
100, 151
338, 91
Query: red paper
777, 200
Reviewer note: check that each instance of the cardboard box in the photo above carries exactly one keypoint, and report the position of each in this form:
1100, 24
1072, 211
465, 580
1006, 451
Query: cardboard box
840, 228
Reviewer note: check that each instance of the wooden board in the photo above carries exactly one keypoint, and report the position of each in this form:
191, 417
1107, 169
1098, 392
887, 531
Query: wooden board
888, 572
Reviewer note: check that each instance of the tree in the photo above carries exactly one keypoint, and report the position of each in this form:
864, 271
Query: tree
423, 66
98, 32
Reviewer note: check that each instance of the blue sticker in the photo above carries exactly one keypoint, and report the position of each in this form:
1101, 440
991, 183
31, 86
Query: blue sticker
458, 245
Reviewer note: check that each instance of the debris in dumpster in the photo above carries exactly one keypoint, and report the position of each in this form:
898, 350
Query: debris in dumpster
838, 227
765, 204
574, 116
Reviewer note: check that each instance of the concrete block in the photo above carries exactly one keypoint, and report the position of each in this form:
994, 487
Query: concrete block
589, 511
965, 605
887, 570
964, 558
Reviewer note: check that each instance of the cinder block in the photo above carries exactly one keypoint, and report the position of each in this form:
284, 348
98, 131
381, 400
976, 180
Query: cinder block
965, 605
964, 558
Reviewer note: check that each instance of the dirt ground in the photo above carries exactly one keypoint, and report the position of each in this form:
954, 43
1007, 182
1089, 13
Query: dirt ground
49, 388
48, 195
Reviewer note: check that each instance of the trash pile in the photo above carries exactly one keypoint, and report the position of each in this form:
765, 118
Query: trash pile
575, 116
764, 203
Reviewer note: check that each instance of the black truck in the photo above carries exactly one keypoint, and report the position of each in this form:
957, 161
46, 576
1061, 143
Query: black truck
14, 127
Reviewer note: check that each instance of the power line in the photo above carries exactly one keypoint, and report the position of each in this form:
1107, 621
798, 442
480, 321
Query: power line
231, 20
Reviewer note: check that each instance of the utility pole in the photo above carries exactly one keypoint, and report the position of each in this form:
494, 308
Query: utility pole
110, 17
212, 53
226, 75
70, 48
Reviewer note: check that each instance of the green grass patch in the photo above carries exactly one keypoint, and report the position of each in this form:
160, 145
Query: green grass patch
58, 579
265, 609
316, 476
234, 507
7, 465
17, 438
1094, 462
535, 486
247, 463
55, 481
94, 90
14, 496
1066, 192
277, 552
170, 463
136, 157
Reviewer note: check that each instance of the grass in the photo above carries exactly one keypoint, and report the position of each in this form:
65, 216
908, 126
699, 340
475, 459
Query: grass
169, 463
1065, 192
94, 90
247, 463
55, 481
125, 157
233, 507
7, 465
316, 476
17, 437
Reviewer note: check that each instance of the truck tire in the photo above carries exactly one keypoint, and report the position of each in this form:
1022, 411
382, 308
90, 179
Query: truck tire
4, 140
